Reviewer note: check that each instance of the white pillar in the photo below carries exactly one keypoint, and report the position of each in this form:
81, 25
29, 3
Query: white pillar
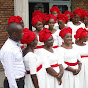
21, 9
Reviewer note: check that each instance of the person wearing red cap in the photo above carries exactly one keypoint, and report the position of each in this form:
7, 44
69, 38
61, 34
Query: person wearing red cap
68, 13
34, 77
50, 21
71, 58
54, 66
76, 23
37, 22
62, 20
82, 13
55, 11
81, 38
36, 12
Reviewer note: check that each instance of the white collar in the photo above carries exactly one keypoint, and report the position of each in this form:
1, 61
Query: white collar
13, 42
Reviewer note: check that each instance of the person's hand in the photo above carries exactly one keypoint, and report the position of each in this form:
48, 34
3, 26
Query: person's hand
76, 71
58, 77
60, 74
60, 81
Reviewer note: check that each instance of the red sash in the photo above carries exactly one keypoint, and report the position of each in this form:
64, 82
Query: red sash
55, 46
38, 68
54, 65
71, 64
83, 56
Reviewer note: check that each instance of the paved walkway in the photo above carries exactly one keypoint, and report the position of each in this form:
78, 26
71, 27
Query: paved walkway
2, 76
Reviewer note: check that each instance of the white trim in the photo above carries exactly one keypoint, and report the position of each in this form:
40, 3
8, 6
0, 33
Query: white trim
21, 9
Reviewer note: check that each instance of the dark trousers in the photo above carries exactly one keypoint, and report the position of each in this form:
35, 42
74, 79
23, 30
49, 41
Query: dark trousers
20, 83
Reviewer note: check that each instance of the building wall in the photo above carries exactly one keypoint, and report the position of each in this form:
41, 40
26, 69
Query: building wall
83, 4
6, 10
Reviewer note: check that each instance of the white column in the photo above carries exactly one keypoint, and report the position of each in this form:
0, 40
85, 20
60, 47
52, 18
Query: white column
21, 9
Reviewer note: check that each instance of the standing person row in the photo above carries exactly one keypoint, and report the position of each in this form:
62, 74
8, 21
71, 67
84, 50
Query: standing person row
35, 78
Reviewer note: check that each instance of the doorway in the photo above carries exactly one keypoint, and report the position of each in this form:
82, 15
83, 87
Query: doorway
44, 7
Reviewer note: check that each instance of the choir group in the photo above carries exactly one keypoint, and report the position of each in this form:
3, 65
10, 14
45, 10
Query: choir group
56, 51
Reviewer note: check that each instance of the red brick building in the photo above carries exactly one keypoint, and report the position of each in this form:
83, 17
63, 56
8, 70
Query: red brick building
7, 10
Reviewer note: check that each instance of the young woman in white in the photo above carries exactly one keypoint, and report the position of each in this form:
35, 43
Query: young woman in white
75, 24
37, 22
62, 20
81, 38
50, 21
55, 11
54, 73
35, 77
71, 58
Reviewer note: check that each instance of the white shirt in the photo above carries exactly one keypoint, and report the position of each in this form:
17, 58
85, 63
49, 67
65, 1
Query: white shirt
12, 60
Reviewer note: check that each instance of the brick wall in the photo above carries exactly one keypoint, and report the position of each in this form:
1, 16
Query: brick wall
6, 10
83, 4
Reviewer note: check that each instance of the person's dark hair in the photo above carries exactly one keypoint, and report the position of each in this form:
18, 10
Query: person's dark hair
13, 27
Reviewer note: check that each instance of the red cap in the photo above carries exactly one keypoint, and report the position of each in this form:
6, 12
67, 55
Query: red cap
62, 17
43, 15
36, 12
67, 12
35, 19
80, 33
72, 16
28, 36
80, 12
64, 31
55, 8
49, 16
86, 14
15, 19
44, 35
